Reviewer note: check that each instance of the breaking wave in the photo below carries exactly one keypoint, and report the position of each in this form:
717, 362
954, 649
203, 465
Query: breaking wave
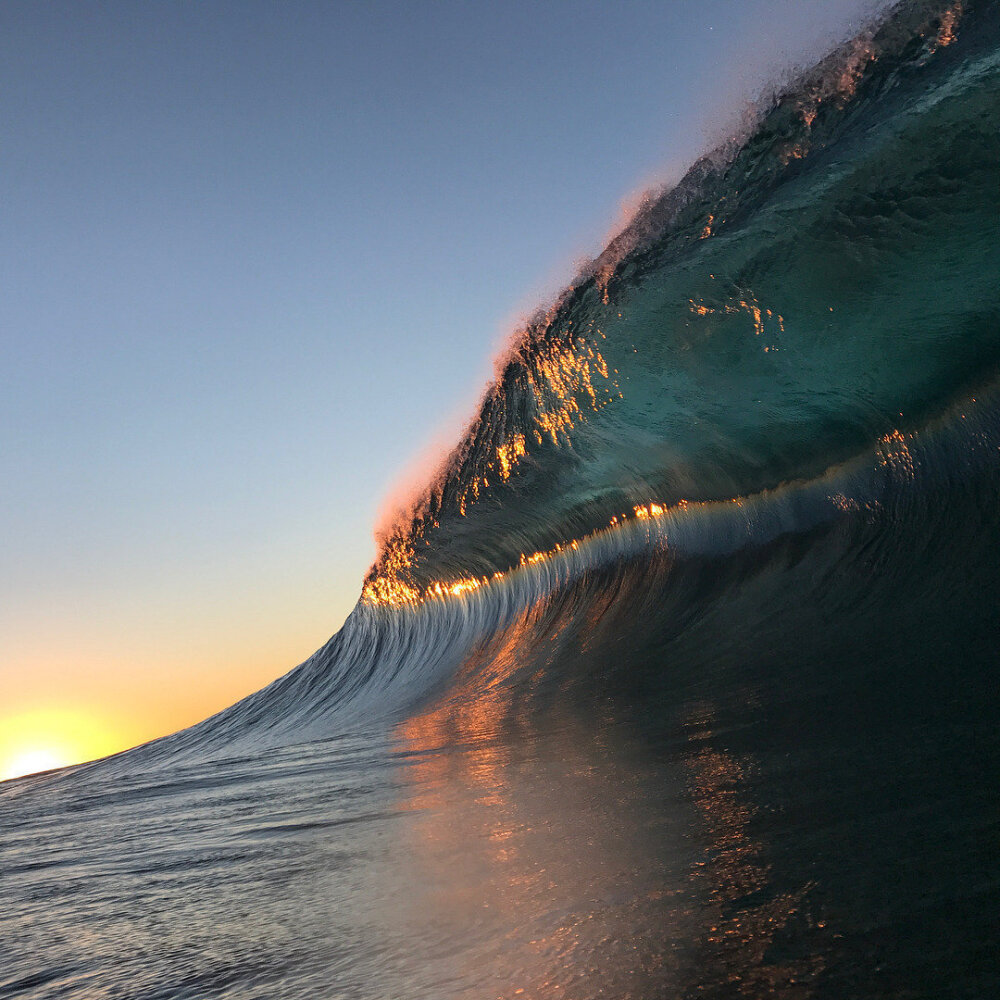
798, 341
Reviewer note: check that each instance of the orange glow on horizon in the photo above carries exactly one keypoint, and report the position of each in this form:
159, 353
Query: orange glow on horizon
45, 739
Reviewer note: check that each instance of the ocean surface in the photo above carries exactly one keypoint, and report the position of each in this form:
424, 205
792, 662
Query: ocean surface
681, 677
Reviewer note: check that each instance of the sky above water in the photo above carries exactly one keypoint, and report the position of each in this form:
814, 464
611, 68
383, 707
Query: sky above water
256, 259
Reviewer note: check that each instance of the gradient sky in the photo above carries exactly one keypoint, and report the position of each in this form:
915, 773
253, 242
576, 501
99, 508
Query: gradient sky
256, 257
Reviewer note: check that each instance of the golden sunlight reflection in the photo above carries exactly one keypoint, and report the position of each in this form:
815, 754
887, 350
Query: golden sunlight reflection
894, 454
563, 379
747, 912
760, 316
541, 844
572, 860
44, 739
947, 32
391, 586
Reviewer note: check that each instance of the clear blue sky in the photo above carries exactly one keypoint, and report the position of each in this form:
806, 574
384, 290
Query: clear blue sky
256, 255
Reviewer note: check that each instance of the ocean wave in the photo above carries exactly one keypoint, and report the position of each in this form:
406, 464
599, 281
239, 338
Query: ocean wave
800, 340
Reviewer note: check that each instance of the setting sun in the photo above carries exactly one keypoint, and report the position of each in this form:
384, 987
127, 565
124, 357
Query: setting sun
32, 762
45, 739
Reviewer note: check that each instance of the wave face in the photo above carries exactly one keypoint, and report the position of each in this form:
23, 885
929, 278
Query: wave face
681, 678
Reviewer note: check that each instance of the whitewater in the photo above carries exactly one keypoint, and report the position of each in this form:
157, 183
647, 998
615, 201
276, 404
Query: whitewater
680, 676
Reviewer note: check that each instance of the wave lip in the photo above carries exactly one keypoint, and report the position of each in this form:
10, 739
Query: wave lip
808, 288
